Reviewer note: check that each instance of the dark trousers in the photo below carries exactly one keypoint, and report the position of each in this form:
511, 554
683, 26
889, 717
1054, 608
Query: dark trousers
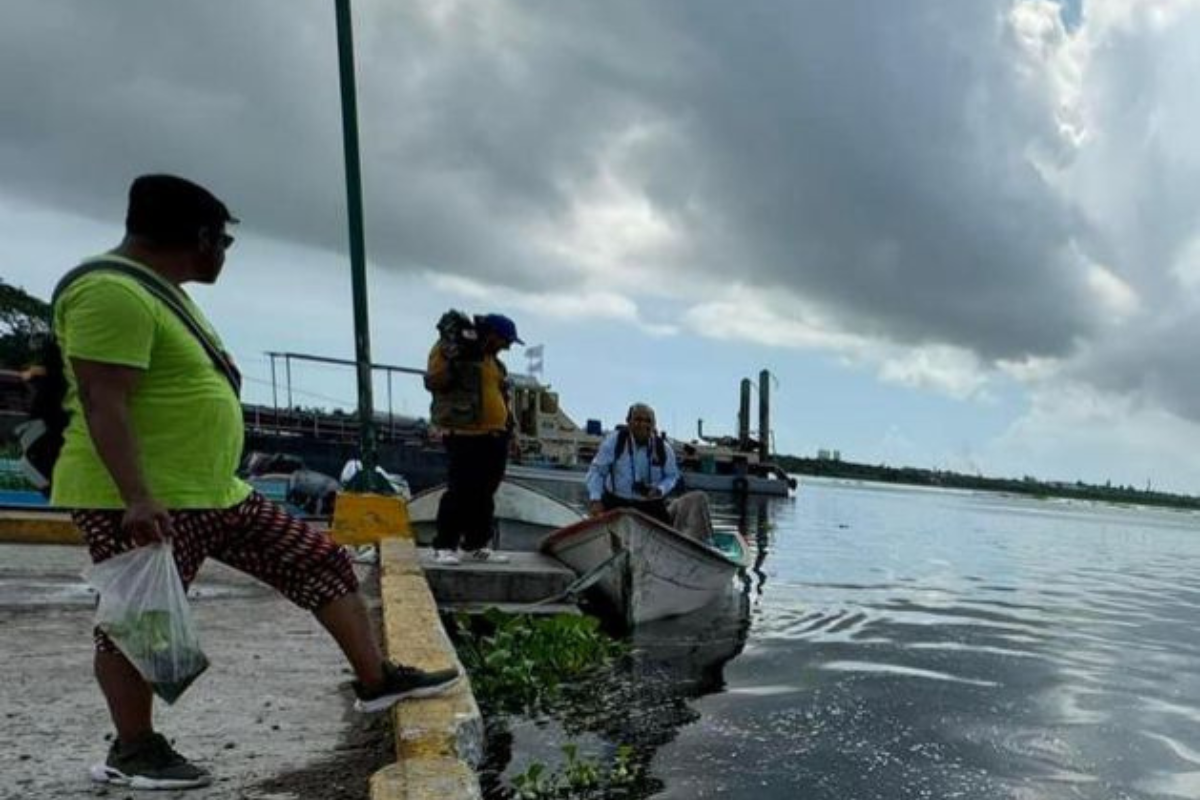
465, 515
656, 507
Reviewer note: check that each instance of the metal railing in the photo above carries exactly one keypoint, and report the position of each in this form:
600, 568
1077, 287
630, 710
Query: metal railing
291, 420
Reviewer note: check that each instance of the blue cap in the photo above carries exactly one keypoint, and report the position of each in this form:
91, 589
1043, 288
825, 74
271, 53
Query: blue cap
502, 326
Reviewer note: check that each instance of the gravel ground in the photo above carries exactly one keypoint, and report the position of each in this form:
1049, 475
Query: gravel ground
271, 718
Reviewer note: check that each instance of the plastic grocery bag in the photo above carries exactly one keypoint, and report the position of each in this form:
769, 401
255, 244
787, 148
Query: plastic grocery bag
144, 610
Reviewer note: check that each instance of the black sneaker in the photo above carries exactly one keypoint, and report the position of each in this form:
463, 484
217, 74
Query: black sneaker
400, 682
149, 763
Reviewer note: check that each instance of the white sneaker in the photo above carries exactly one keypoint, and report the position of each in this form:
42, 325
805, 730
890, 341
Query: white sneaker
486, 554
367, 554
447, 558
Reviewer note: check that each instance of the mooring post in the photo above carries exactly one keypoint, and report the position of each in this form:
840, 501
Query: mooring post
764, 415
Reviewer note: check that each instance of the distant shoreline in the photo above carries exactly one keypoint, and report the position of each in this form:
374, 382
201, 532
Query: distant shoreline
912, 476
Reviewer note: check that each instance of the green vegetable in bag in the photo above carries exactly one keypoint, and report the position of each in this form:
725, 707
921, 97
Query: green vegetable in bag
144, 610
145, 637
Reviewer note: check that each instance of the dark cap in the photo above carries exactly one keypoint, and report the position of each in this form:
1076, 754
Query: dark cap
170, 210
502, 326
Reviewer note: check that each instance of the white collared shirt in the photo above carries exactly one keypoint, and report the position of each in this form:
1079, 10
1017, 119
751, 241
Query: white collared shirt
619, 472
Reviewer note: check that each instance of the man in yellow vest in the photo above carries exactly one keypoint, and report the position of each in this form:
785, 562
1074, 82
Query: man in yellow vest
470, 404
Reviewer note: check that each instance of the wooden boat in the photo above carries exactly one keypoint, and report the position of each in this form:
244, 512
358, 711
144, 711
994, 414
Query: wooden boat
758, 478
553, 448
765, 479
646, 570
688, 653
523, 516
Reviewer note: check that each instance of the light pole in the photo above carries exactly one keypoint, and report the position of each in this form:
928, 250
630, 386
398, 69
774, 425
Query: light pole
367, 479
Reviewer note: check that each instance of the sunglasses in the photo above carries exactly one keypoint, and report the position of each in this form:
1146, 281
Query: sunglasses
222, 239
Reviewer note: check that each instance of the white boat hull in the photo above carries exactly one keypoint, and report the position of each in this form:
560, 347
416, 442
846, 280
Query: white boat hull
523, 516
661, 574
542, 473
708, 482
753, 484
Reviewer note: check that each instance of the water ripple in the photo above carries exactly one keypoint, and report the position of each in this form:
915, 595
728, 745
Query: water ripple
896, 669
929, 644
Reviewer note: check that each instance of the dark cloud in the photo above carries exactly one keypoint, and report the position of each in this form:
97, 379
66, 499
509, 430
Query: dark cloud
878, 164
1138, 179
1155, 364
237, 95
871, 158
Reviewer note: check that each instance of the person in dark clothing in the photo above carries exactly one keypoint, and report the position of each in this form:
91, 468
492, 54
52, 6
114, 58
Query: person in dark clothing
470, 404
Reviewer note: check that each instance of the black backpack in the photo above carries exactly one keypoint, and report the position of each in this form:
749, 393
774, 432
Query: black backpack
658, 454
41, 436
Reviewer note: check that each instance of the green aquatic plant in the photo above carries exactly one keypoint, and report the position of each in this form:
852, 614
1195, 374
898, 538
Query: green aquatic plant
520, 662
580, 773
580, 777
536, 783
523, 664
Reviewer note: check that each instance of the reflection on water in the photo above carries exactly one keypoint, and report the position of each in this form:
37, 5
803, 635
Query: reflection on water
749, 515
646, 699
907, 643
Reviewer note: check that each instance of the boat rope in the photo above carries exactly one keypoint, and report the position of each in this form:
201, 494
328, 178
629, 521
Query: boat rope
583, 582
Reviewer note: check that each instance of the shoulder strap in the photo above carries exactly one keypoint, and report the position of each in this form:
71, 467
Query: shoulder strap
622, 441
657, 452
618, 447
161, 290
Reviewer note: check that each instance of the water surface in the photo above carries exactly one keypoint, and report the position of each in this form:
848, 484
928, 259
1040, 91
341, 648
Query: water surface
910, 643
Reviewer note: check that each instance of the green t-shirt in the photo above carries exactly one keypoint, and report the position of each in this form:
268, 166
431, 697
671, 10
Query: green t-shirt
186, 416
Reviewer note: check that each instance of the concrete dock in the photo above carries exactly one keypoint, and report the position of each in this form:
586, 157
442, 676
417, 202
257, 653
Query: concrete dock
529, 583
271, 718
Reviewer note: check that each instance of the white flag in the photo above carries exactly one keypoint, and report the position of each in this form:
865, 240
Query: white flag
534, 355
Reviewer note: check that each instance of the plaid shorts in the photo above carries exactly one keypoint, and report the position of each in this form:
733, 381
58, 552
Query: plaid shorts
256, 537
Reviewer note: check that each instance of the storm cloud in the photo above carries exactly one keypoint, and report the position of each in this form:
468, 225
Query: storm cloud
1001, 181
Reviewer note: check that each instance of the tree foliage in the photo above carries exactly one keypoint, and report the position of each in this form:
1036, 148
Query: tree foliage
24, 322
1026, 485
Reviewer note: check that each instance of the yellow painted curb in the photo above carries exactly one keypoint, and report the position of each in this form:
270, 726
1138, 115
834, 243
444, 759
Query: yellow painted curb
439, 740
426, 779
38, 527
41, 526
368, 518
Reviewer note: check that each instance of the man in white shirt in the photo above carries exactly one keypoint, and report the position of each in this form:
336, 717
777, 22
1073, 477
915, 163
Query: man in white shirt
634, 468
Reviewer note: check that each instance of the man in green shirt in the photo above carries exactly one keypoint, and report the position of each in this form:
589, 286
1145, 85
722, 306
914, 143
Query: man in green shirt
150, 454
